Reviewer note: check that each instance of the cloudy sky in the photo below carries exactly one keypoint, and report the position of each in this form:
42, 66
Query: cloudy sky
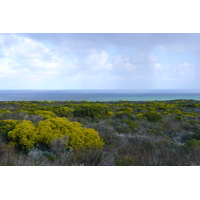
99, 61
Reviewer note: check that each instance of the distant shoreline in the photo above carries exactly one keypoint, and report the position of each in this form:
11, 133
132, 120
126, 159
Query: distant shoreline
98, 95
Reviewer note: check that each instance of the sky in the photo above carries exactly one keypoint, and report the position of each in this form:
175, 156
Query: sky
99, 61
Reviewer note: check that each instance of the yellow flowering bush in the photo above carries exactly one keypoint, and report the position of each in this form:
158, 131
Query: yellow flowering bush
126, 109
63, 111
79, 137
85, 138
140, 116
110, 113
23, 136
46, 114
53, 128
6, 126
177, 111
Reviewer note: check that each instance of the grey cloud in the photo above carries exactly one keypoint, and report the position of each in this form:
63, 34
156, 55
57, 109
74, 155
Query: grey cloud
140, 40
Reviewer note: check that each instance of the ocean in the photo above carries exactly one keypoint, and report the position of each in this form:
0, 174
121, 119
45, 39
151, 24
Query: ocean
98, 95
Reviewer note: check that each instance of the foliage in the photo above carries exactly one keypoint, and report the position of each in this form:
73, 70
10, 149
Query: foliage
124, 115
79, 137
63, 111
177, 111
125, 109
23, 136
153, 116
131, 124
93, 111
6, 126
44, 113
193, 143
126, 160
130, 132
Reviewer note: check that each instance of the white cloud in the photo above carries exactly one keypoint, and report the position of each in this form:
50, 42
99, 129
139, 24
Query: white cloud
123, 64
26, 58
8, 67
174, 76
28, 61
140, 64
172, 47
180, 71
97, 62
22, 47
186, 70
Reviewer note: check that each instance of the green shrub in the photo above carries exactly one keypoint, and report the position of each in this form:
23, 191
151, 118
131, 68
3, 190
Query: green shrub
179, 117
126, 160
6, 126
124, 115
193, 143
125, 109
177, 111
153, 116
93, 111
132, 125
46, 114
63, 111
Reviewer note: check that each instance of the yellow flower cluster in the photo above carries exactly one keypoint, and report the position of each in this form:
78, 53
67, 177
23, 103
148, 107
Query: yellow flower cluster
7, 124
63, 111
46, 114
25, 135
177, 111
79, 137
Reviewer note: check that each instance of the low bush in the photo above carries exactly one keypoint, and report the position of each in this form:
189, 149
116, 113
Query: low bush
79, 137
124, 115
6, 126
46, 114
93, 111
23, 136
63, 111
153, 116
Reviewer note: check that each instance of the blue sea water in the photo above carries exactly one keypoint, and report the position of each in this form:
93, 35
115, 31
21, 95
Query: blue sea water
97, 95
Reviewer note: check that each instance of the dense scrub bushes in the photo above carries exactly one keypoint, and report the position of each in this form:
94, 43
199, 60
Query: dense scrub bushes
153, 116
100, 133
79, 137
93, 111
44, 113
63, 111
25, 135
6, 126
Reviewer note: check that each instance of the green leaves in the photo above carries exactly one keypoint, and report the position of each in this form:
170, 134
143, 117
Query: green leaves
153, 116
63, 111
93, 111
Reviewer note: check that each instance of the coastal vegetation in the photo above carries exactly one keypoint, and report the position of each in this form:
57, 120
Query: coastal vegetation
116, 133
